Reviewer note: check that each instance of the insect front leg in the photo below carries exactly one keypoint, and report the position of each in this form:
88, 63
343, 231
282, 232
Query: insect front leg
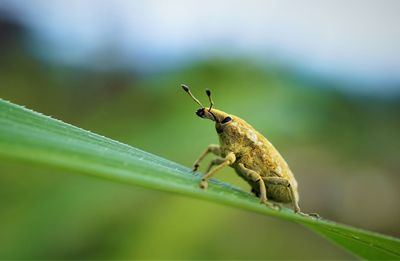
228, 160
254, 176
214, 162
212, 148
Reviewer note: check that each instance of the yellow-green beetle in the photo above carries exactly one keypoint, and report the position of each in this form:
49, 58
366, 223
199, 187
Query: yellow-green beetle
252, 156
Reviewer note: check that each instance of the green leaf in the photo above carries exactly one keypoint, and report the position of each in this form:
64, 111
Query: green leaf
29, 136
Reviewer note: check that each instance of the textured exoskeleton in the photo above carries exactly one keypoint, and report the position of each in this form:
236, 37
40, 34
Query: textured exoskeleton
252, 156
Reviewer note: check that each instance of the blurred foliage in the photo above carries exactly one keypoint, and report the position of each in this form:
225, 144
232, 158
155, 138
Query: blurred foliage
30, 137
342, 148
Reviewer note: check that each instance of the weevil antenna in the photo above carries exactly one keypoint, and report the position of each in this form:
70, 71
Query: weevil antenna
186, 89
208, 92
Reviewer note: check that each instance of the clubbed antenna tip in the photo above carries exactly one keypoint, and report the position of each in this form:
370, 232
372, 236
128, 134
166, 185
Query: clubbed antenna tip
208, 92
185, 88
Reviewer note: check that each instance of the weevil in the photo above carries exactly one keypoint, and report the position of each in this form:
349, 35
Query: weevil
250, 154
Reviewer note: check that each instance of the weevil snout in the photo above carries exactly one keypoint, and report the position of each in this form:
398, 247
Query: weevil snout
200, 112
205, 113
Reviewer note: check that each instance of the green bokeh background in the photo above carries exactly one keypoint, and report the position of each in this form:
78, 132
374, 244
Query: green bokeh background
343, 149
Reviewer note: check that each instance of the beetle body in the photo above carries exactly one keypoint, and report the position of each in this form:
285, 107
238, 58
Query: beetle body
252, 156
255, 152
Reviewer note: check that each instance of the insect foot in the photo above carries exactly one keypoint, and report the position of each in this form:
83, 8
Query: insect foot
195, 167
271, 205
312, 215
203, 184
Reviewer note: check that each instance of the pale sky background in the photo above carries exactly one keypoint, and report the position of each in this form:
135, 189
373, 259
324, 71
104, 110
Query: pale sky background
356, 41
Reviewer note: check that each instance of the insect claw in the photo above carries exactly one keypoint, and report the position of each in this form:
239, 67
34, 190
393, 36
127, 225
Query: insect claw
203, 184
312, 215
271, 205
195, 167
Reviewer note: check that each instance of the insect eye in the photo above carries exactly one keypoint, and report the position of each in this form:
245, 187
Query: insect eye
227, 119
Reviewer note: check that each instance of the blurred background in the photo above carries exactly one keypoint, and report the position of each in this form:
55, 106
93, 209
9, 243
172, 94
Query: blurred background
320, 79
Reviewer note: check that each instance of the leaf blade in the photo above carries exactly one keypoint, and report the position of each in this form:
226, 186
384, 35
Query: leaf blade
30, 136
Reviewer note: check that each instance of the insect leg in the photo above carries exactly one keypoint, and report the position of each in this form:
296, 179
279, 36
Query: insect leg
276, 181
229, 159
286, 183
214, 162
254, 176
212, 148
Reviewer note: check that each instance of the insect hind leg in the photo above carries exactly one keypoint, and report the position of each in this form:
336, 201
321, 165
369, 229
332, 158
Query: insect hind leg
284, 182
255, 177
255, 192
